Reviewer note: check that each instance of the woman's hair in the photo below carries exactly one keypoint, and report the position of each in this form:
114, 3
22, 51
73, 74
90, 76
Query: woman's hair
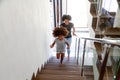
66, 17
60, 31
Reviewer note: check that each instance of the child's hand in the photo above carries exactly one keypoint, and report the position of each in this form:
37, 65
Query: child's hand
51, 46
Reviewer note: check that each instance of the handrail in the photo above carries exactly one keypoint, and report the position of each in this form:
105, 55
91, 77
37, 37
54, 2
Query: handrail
108, 42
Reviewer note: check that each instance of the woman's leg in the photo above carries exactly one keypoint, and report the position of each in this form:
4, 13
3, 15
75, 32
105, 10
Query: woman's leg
68, 50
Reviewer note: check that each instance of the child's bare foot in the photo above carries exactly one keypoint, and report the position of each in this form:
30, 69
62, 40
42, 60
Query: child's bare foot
61, 61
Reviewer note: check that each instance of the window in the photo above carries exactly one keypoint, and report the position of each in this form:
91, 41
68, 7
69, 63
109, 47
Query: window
78, 11
110, 5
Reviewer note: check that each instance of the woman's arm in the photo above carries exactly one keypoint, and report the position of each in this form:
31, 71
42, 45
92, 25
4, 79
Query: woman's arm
74, 31
68, 46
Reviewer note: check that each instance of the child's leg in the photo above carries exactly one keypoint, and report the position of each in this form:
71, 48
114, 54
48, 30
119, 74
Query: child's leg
58, 55
62, 57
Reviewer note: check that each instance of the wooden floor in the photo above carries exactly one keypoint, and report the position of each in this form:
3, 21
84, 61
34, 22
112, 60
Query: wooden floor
69, 70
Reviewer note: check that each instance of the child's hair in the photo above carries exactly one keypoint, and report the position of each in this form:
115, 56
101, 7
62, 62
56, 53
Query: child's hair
60, 31
66, 17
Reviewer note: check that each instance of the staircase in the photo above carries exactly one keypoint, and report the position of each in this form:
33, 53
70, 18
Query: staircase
53, 70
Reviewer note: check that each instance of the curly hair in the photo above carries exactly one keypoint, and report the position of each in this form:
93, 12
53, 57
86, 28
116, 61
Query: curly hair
66, 17
60, 31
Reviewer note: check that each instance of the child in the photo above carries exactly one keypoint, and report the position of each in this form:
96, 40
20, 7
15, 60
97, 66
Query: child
59, 33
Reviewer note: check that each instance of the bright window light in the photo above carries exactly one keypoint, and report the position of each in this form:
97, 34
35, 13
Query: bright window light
110, 5
78, 11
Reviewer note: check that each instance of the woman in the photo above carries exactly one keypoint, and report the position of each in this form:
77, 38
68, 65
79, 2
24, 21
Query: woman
69, 26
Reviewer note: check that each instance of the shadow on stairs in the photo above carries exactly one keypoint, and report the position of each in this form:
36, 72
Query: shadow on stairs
53, 70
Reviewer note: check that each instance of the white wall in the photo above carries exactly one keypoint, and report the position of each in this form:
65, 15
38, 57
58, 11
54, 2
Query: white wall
24, 37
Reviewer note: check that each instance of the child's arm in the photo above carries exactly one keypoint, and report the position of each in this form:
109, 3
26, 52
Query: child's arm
68, 46
52, 45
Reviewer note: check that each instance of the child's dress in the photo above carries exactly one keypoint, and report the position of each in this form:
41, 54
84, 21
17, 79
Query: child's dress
60, 45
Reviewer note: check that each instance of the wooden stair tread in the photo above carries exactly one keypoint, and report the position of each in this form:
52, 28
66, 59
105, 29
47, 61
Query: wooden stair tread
53, 70
65, 61
88, 71
58, 65
60, 77
60, 72
58, 61
61, 68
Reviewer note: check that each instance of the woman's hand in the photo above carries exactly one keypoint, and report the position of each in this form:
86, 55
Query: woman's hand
68, 47
74, 34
